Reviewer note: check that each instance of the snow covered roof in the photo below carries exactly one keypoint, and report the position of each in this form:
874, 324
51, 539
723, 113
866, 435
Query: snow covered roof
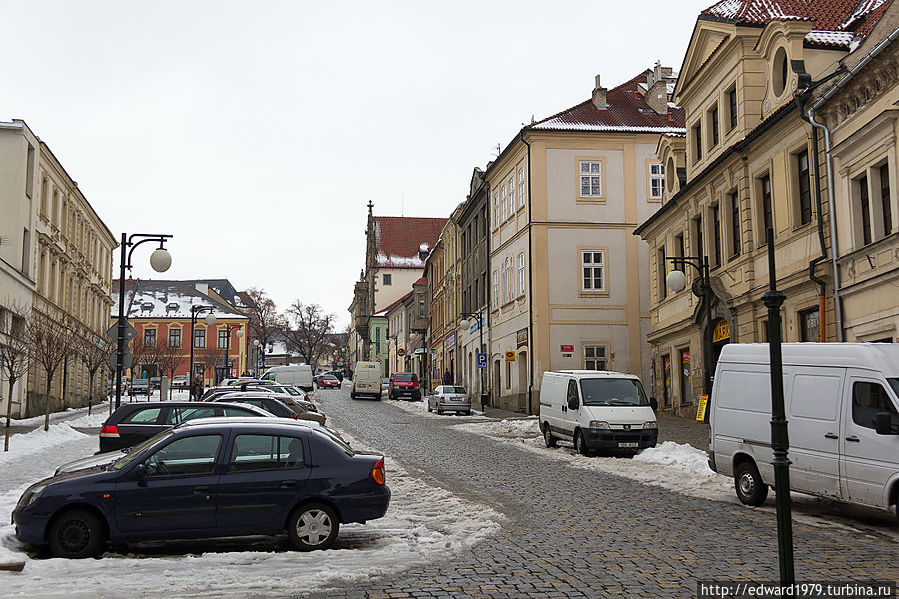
165, 299
400, 241
626, 112
226, 291
849, 18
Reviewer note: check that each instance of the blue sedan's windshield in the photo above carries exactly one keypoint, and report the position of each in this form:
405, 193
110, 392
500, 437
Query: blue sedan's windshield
613, 392
136, 451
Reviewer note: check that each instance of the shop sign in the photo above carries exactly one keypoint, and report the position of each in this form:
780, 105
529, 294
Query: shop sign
522, 338
401, 352
566, 348
510, 356
721, 332
451, 341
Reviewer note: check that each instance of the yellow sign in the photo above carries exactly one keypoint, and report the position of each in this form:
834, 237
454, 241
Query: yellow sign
510, 356
700, 409
721, 331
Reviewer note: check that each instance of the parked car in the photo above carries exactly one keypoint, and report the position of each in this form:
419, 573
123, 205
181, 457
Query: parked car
329, 381
277, 388
596, 410
155, 381
337, 373
281, 406
385, 386
404, 384
450, 398
180, 381
248, 464
135, 422
292, 374
140, 386
842, 404
317, 379
367, 380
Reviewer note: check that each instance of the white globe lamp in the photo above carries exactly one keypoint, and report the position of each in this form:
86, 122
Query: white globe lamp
676, 280
160, 259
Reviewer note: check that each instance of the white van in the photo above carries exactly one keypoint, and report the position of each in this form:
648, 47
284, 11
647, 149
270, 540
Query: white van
842, 408
366, 380
293, 374
596, 410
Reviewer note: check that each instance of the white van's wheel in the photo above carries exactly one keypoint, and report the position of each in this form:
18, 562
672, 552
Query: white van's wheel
548, 436
751, 489
579, 445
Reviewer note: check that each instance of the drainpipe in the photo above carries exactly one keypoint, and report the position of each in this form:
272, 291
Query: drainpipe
829, 158
530, 284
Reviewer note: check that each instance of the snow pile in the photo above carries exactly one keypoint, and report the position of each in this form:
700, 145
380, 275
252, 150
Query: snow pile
39, 440
683, 457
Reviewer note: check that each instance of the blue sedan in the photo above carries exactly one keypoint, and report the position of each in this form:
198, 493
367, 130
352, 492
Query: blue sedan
210, 478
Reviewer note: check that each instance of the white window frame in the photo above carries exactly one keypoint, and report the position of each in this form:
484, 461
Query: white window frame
593, 177
495, 289
520, 186
387, 279
512, 194
495, 209
504, 203
588, 261
592, 348
656, 180
520, 274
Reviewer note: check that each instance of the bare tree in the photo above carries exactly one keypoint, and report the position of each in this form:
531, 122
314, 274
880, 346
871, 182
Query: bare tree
15, 353
210, 357
308, 330
52, 342
94, 353
264, 318
171, 359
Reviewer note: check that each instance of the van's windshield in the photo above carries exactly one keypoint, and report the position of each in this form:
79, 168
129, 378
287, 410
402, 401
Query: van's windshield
613, 392
894, 383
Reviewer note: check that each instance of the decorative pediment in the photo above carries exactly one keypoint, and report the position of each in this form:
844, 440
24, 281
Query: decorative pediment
707, 37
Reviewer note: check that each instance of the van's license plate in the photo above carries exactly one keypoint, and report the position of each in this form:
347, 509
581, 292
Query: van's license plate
628, 445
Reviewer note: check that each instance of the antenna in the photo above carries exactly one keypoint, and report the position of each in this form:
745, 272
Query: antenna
498, 149
403, 205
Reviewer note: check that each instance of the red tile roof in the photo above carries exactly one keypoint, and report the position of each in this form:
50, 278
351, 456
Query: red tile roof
829, 16
399, 239
626, 111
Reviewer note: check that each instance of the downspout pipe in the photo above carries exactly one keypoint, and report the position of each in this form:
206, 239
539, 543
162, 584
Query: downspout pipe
530, 283
828, 151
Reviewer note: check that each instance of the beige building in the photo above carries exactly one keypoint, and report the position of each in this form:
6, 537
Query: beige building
748, 162
568, 288
442, 270
64, 248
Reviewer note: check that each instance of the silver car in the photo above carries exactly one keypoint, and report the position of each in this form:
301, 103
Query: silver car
450, 398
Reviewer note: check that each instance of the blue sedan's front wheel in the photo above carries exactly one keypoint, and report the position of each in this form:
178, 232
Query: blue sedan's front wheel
76, 534
313, 526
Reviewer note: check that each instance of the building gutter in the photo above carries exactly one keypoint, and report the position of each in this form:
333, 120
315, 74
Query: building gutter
530, 284
828, 152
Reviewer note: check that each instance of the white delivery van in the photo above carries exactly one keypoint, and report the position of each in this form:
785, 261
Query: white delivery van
596, 410
367, 380
299, 375
842, 408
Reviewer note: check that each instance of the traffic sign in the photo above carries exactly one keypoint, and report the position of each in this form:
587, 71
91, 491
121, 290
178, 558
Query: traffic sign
130, 331
482, 360
127, 359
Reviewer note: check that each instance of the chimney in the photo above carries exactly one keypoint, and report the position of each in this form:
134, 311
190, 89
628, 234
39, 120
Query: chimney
657, 89
599, 96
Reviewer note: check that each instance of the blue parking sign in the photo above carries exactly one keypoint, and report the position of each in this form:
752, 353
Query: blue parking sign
482, 360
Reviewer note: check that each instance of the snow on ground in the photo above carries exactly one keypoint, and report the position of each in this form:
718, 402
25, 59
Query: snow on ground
423, 522
421, 408
683, 469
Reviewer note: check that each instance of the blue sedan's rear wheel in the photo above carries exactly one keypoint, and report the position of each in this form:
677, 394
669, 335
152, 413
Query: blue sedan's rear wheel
313, 526
76, 534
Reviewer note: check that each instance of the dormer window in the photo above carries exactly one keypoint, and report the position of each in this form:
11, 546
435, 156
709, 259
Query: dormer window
146, 307
780, 72
171, 307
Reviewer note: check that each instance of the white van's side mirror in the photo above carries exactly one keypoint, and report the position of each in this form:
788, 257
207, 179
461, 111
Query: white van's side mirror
572, 403
883, 423
653, 404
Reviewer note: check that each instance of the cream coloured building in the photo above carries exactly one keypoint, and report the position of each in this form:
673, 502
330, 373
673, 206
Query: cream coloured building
568, 281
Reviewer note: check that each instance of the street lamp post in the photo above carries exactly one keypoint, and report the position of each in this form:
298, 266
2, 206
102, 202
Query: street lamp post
465, 323
195, 311
228, 328
260, 353
160, 260
676, 281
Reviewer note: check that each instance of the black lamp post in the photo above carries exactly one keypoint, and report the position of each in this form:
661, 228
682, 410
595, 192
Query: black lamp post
160, 260
260, 353
676, 281
228, 328
195, 311
465, 323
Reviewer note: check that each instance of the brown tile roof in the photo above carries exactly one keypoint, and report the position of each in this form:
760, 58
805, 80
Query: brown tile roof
848, 18
398, 240
627, 111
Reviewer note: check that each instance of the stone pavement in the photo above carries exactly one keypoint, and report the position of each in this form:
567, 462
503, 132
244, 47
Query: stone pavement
571, 532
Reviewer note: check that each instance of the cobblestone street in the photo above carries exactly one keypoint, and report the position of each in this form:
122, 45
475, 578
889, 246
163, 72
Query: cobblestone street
574, 533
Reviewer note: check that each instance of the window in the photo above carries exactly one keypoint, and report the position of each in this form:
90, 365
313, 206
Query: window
805, 193
867, 400
174, 337
504, 283
520, 274
26, 251
223, 339
732, 106
186, 456
663, 273
510, 278
767, 217
656, 180
591, 178
734, 202
697, 236
713, 125
780, 71
865, 205
885, 201
495, 289
595, 357
150, 337
145, 416
716, 234
593, 269
697, 142
520, 186
421, 305
809, 325
508, 375
511, 194
387, 280
504, 203
495, 210
179, 415
265, 452
200, 338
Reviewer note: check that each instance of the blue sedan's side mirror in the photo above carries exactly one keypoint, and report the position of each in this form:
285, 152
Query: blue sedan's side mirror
141, 471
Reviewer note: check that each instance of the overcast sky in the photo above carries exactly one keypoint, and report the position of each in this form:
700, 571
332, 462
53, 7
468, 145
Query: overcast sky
256, 132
